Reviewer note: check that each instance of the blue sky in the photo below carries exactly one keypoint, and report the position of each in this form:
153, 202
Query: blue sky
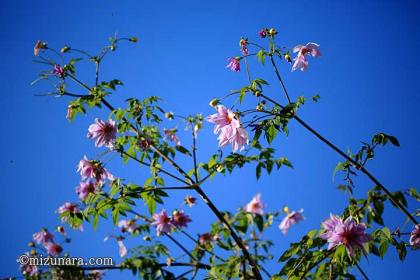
367, 79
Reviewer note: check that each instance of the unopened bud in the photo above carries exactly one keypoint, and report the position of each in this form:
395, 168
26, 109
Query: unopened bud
214, 102
147, 238
133, 39
169, 115
65, 49
31, 244
220, 168
257, 93
33, 252
287, 57
272, 32
259, 107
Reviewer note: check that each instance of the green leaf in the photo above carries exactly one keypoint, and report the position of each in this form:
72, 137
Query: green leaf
183, 150
261, 56
383, 247
402, 250
258, 219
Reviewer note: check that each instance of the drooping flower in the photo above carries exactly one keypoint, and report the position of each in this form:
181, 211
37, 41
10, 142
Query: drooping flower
69, 114
39, 45
58, 71
263, 33
415, 237
42, 236
127, 225
255, 206
243, 43
301, 63
234, 64
93, 169
190, 201
104, 132
171, 135
85, 188
229, 126
28, 269
121, 247
162, 222
53, 249
180, 219
292, 218
349, 233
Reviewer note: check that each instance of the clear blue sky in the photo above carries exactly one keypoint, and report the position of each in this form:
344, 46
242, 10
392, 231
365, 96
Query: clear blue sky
367, 79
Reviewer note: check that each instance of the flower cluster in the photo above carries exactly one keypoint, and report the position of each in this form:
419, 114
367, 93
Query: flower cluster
347, 232
415, 237
46, 239
230, 128
165, 223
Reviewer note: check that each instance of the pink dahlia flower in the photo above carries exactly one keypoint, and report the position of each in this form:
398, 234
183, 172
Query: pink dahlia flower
127, 225
53, 249
171, 135
28, 269
85, 188
229, 126
58, 70
415, 237
43, 236
255, 206
234, 64
243, 43
162, 222
301, 63
349, 233
104, 132
292, 218
179, 219
93, 169
68, 207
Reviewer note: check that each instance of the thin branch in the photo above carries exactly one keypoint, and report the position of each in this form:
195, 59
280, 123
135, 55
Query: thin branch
361, 271
180, 246
352, 161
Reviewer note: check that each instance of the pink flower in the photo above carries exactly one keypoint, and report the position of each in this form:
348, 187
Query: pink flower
349, 233
162, 222
85, 188
28, 269
104, 132
53, 248
121, 247
58, 71
39, 45
171, 135
68, 207
127, 225
69, 114
229, 126
291, 219
179, 219
93, 169
43, 236
234, 64
415, 237
263, 33
96, 275
301, 63
243, 43
255, 206
205, 238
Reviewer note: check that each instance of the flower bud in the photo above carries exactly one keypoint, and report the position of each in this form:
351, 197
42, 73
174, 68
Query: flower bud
263, 33
272, 32
220, 168
214, 102
169, 115
259, 107
33, 252
133, 39
65, 49
31, 244
147, 238
257, 93
287, 57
